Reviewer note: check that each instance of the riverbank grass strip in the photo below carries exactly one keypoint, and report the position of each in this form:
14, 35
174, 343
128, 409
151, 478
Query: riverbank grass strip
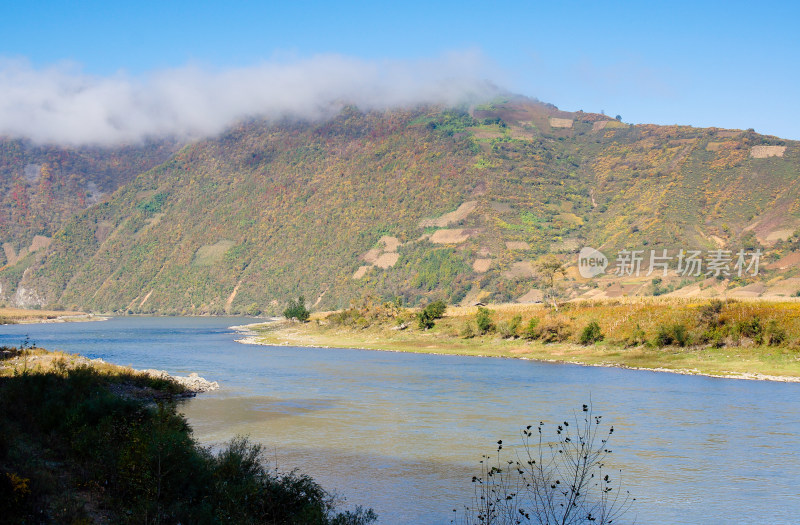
747, 340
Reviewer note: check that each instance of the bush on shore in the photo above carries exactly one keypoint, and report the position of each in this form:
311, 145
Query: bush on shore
72, 449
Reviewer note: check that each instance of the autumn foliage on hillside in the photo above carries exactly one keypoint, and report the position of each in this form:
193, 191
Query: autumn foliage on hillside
268, 211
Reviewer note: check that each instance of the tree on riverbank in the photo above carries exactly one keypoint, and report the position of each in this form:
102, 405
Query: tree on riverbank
297, 310
426, 318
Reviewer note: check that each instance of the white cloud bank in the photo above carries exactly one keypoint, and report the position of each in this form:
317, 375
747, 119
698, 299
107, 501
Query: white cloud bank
62, 105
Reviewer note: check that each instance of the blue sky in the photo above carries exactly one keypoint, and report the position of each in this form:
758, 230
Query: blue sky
728, 64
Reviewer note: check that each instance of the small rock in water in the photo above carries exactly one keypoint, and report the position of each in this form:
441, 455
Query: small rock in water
193, 382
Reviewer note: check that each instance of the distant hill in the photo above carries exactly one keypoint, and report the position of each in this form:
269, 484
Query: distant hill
421, 203
43, 186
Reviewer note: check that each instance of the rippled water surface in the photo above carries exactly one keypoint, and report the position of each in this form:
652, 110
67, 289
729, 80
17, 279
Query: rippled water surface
403, 432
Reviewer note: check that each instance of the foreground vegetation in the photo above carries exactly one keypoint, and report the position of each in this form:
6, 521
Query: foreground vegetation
87, 443
723, 338
552, 478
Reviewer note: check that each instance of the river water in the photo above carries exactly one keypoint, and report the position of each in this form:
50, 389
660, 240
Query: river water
403, 433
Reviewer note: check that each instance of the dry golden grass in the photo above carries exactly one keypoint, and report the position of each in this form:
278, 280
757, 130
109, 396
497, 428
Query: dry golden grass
622, 321
39, 360
20, 315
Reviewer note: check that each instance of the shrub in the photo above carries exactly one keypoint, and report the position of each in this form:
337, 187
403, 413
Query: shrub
531, 330
675, 334
775, 334
424, 321
509, 329
138, 459
554, 331
591, 334
350, 317
436, 309
426, 318
709, 313
715, 337
558, 479
638, 337
468, 330
253, 310
752, 329
483, 319
297, 310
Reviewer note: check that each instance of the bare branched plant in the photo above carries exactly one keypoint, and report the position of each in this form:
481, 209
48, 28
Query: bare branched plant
563, 481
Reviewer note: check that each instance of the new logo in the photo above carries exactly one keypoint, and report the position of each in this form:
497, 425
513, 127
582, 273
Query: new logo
591, 262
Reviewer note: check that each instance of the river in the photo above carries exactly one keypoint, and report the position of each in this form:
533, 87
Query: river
403, 433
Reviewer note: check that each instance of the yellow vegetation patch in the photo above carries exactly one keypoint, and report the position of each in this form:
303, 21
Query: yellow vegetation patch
630, 327
569, 244
729, 154
714, 146
211, 253
17, 315
570, 218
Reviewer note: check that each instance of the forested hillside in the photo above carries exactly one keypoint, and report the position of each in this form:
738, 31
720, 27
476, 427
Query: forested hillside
423, 203
43, 186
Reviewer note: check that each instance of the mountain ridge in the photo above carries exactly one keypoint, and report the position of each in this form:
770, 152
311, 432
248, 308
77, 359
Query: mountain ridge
358, 205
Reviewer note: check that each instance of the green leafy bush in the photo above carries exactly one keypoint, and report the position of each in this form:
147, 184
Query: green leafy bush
426, 319
637, 337
468, 330
67, 435
750, 328
673, 335
297, 310
531, 330
483, 320
709, 314
775, 334
509, 329
591, 334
